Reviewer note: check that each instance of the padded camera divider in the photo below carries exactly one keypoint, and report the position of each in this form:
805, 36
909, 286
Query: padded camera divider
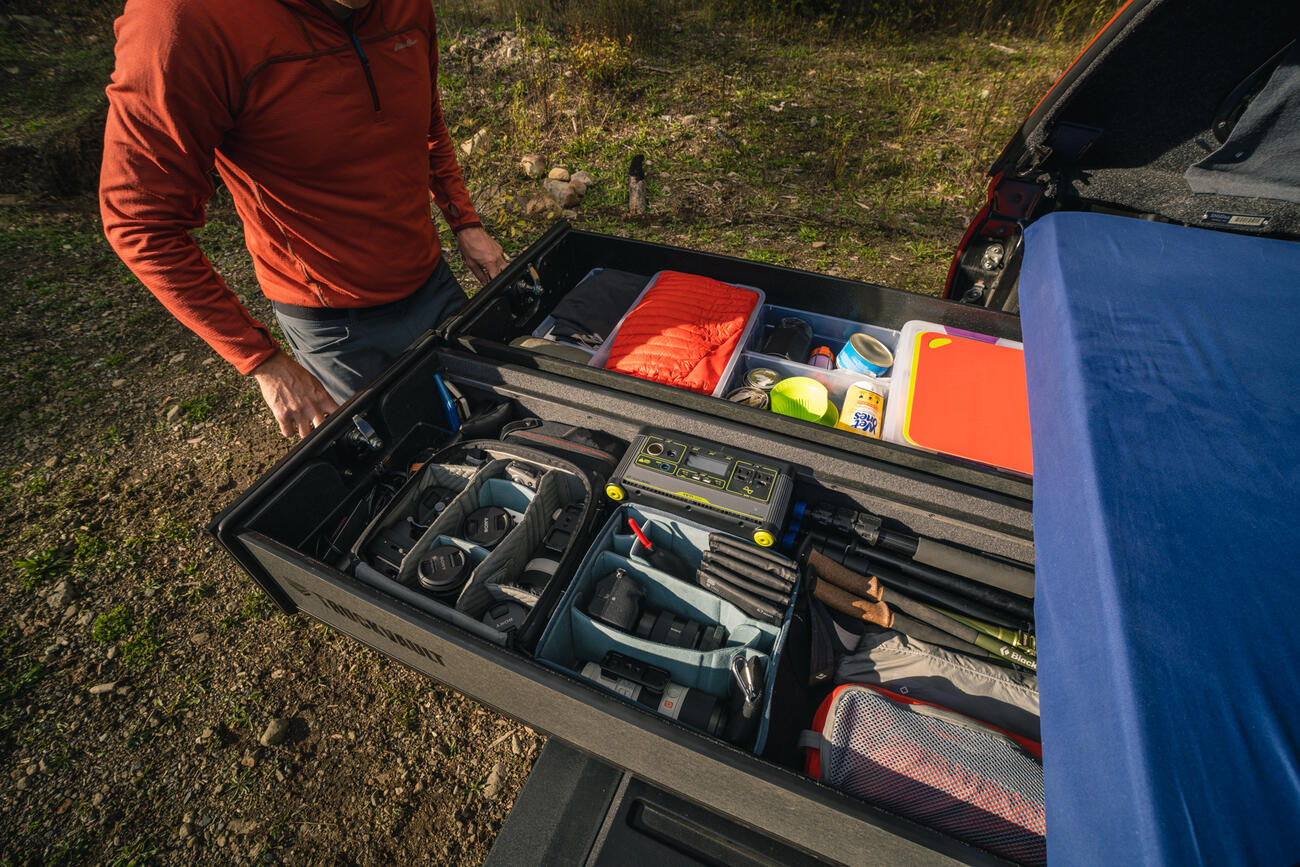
426, 603
507, 560
590, 640
510, 593
769, 671
622, 543
572, 636
487, 488
452, 476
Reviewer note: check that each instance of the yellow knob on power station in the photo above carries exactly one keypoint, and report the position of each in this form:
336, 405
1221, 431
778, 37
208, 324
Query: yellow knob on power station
764, 538
614, 492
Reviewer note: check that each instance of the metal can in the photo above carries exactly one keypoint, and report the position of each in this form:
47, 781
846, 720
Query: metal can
865, 354
763, 378
863, 409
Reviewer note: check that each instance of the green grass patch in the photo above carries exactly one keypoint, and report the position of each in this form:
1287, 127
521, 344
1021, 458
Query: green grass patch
139, 852
170, 528
111, 625
199, 407
256, 606
241, 712
20, 680
140, 650
38, 568
72, 849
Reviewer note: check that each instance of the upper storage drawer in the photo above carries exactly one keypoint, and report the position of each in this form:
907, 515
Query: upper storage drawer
516, 318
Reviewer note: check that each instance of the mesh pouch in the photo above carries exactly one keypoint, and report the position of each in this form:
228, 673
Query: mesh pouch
934, 766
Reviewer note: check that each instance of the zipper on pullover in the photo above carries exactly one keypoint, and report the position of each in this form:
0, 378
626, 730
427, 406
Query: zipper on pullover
365, 61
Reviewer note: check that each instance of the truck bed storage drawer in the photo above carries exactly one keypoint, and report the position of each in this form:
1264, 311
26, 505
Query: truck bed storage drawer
297, 529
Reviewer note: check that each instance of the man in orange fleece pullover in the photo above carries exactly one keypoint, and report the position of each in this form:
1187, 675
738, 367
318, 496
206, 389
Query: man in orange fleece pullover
323, 120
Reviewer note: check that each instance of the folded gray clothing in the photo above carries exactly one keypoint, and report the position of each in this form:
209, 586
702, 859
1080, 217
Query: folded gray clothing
999, 696
552, 348
590, 311
1261, 158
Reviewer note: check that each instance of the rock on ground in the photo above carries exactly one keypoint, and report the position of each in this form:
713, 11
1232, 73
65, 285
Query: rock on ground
475, 144
534, 165
563, 192
582, 181
541, 205
275, 733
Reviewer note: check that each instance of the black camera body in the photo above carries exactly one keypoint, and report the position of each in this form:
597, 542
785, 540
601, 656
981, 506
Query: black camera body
617, 600
389, 548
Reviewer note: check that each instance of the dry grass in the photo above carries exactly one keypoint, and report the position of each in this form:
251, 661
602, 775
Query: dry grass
759, 145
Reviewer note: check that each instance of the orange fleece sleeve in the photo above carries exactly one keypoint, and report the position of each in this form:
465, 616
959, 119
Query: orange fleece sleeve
445, 181
170, 103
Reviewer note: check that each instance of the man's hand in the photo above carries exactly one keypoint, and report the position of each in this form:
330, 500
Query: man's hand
297, 398
481, 253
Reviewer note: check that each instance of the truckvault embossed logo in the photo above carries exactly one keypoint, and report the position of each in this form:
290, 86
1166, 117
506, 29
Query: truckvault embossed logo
366, 622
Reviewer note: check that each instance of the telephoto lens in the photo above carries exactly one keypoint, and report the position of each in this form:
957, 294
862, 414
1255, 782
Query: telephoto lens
664, 627
650, 686
617, 600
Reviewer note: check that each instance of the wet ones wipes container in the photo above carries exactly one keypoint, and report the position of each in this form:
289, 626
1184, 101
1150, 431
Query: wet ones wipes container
864, 405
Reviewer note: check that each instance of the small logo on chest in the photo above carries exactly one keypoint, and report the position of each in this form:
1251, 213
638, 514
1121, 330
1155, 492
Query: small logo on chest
404, 43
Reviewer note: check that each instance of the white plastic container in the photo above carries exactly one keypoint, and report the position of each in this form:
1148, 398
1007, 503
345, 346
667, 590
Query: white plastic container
546, 329
897, 406
728, 373
827, 331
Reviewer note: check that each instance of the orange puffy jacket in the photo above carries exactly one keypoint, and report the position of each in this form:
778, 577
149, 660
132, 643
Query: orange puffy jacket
683, 331
328, 135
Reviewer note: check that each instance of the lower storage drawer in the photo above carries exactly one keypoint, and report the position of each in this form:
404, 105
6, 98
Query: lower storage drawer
299, 534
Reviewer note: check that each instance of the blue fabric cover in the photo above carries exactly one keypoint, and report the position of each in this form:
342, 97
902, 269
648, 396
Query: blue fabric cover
1164, 393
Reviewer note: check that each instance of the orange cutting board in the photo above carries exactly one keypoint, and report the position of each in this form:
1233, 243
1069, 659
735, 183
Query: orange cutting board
968, 398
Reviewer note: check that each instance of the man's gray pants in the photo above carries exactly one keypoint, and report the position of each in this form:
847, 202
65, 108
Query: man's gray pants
345, 349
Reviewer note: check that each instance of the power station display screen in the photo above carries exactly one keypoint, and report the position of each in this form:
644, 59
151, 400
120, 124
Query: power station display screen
715, 484
706, 464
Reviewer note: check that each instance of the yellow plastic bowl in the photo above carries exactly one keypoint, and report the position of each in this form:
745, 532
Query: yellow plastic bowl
805, 398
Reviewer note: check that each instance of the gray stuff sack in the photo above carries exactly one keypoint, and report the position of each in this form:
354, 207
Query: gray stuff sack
1261, 158
1002, 697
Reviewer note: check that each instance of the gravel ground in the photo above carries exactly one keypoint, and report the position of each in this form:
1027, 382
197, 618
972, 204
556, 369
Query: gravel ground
152, 701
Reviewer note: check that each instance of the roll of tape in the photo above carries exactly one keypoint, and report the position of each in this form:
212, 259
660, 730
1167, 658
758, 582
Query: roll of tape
749, 396
865, 354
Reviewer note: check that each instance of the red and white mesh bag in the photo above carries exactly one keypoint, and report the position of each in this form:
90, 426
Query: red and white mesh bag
978, 783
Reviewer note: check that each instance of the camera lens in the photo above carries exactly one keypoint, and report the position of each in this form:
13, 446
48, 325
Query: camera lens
488, 526
616, 600
443, 570
663, 627
537, 574
506, 616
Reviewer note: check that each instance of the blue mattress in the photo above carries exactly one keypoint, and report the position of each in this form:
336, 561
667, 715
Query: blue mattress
1163, 368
